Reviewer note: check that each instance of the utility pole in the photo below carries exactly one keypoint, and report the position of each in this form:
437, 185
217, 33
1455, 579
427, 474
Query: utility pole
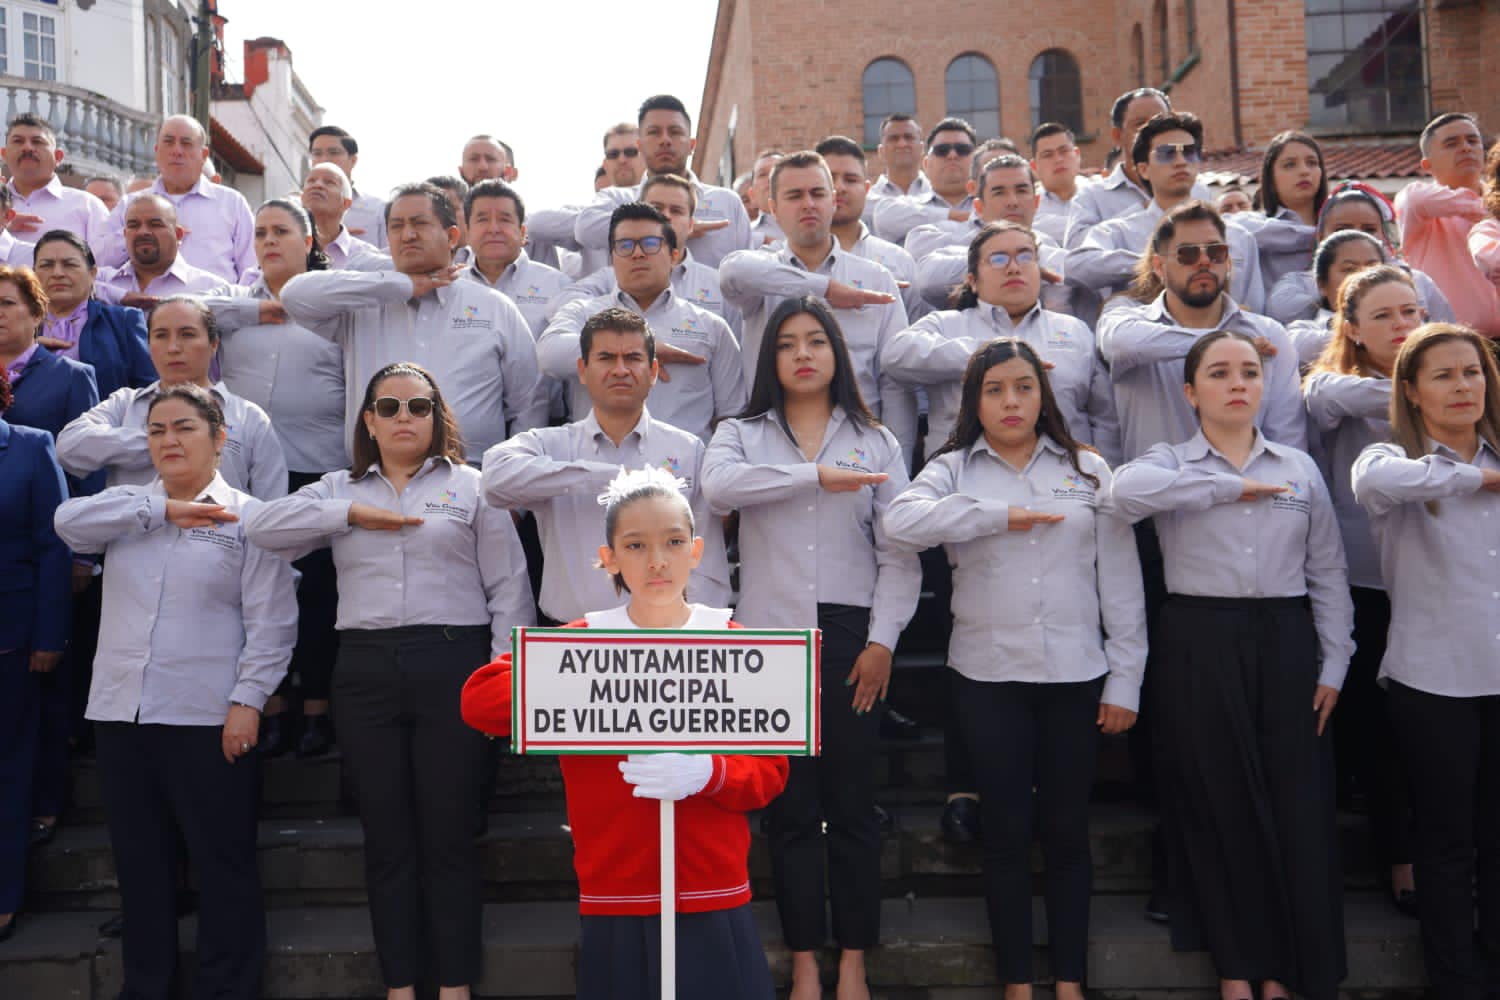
203, 50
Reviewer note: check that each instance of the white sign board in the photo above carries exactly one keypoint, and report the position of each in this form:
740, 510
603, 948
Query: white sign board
624, 691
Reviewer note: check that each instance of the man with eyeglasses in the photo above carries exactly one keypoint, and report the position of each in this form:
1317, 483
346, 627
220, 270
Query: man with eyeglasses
1119, 192
622, 155
473, 339
900, 152
702, 378
864, 296
366, 215
1055, 159
1167, 153
950, 156
720, 225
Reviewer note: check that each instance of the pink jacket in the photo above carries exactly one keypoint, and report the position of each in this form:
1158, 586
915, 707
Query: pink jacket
1435, 225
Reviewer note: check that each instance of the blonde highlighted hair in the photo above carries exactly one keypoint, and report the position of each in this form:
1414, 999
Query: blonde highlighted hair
1341, 355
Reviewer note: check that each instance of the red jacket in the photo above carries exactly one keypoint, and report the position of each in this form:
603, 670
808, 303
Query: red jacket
616, 850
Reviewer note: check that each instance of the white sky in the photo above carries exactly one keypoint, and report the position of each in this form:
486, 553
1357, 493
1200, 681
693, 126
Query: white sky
411, 81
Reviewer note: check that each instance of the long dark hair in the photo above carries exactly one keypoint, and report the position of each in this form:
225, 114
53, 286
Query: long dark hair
447, 440
967, 428
966, 295
317, 260
767, 394
1270, 199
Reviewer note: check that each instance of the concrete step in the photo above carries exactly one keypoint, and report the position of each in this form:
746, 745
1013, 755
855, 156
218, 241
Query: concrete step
932, 947
320, 862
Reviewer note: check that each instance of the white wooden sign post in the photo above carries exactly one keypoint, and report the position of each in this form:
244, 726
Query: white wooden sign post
637, 691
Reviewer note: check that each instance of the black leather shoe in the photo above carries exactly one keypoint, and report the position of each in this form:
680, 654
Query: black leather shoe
275, 740
895, 726
114, 927
42, 833
317, 736
961, 821
1156, 908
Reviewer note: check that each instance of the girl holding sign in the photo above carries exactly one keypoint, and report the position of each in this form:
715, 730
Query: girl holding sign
812, 472
1256, 641
650, 550
1049, 638
430, 577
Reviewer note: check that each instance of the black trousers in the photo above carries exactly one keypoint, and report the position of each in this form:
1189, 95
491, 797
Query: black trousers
1364, 739
20, 712
836, 789
1034, 749
416, 769
719, 957
1138, 740
310, 675
164, 786
1247, 787
1452, 751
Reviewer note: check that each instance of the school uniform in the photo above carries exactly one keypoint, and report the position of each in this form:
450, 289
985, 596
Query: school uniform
557, 473
1257, 618
696, 396
112, 436
417, 609
810, 557
1295, 296
112, 339
935, 351
194, 620
616, 855
1033, 666
1442, 676
1349, 413
35, 574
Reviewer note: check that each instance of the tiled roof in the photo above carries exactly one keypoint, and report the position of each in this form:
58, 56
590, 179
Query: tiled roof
1342, 160
231, 150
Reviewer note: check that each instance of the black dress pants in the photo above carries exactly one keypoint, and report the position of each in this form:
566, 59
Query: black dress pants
836, 789
164, 786
416, 768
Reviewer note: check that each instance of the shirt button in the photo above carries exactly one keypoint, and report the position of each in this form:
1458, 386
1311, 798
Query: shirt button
1032, 542
810, 548
1249, 550
811, 508
399, 585
1037, 620
1036, 580
1492, 551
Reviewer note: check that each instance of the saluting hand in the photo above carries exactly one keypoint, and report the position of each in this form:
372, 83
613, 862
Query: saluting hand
1051, 277
187, 514
1323, 703
871, 677
272, 312
372, 518
705, 226
842, 296
53, 343
137, 300
1021, 519
666, 354
1264, 347
241, 732
1491, 480
23, 223
1114, 720
836, 480
421, 284
1251, 490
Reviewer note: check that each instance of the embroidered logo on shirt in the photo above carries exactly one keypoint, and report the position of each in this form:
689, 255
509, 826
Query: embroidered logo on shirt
447, 504
470, 319
229, 541
1297, 498
672, 465
692, 328
1074, 487
858, 459
1057, 338
449, 496
702, 295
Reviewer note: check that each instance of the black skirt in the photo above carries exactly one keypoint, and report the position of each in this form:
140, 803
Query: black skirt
1247, 787
719, 957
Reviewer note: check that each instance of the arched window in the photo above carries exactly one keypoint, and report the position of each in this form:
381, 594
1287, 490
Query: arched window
973, 91
1365, 63
1163, 42
1138, 56
888, 89
1056, 90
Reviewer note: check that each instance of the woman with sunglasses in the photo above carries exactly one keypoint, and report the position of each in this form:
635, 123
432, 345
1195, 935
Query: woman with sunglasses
1049, 639
1293, 187
1254, 643
431, 580
1001, 297
1351, 205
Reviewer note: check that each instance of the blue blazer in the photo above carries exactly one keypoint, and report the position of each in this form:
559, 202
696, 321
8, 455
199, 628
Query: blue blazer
36, 568
114, 342
52, 391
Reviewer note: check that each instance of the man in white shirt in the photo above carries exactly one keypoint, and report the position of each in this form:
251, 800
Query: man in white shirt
851, 187
327, 194
41, 201
900, 152
1056, 161
950, 156
366, 216
156, 268
216, 219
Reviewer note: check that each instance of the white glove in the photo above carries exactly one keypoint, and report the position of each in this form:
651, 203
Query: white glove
667, 776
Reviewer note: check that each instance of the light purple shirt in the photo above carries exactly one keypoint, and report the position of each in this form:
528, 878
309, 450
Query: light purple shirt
17, 253
15, 368
62, 207
182, 278
68, 328
221, 230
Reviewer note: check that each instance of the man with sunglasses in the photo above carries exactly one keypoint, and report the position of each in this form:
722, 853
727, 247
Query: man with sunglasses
473, 340
949, 159
622, 155
1167, 153
1119, 192
707, 381
720, 225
